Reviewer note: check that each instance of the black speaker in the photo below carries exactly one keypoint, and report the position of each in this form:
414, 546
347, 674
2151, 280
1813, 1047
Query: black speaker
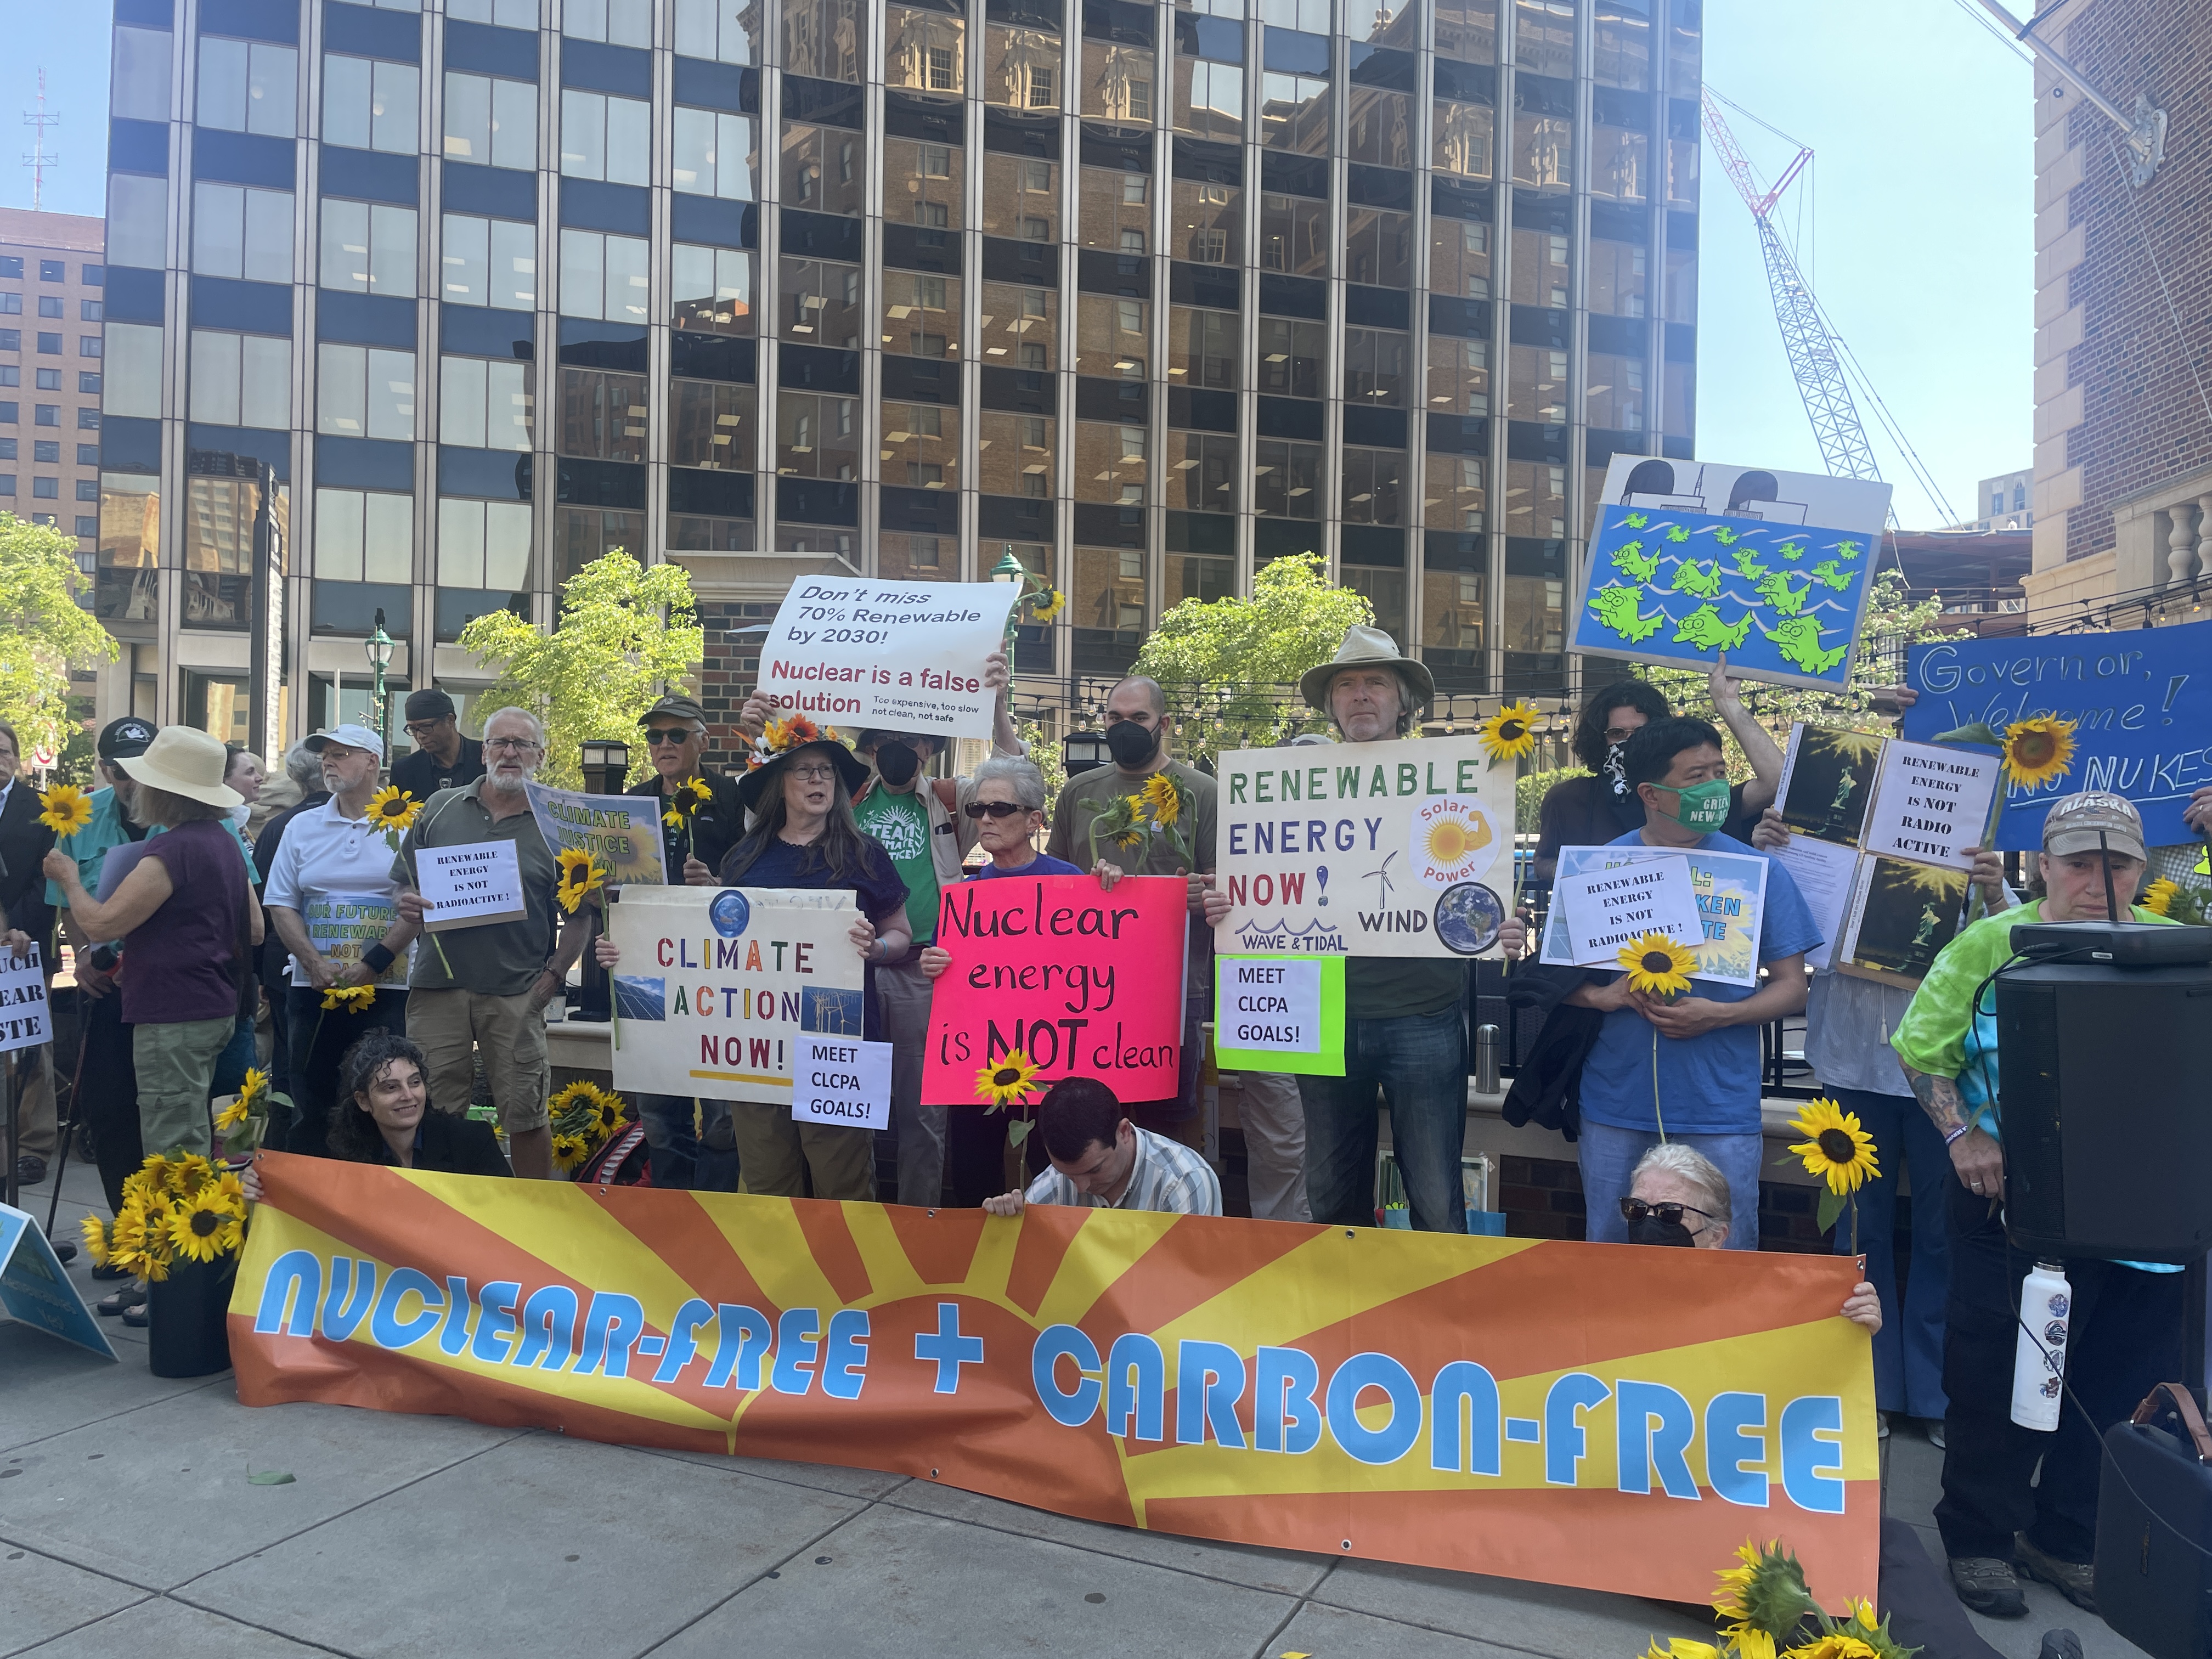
2106, 1098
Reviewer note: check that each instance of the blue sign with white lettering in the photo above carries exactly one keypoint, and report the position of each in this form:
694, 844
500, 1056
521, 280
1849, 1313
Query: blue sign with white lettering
2141, 702
34, 1290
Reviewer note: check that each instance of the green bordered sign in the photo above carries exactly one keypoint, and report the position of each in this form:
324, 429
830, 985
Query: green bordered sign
1280, 1013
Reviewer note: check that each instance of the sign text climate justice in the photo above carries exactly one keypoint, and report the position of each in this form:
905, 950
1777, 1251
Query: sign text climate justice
1655, 1430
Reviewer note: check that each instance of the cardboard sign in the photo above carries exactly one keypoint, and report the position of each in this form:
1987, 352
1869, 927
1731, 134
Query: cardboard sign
622, 831
716, 986
25, 1020
843, 1081
1083, 982
847, 651
34, 1291
469, 886
1730, 890
1369, 849
342, 925
1691, 560
1279, 1014
2140, 701
1606, 909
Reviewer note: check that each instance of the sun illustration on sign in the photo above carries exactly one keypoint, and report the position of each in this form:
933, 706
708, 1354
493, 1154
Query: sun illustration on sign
1450, 841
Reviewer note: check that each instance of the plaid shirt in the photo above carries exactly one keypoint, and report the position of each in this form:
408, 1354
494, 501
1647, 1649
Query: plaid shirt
1167, 1175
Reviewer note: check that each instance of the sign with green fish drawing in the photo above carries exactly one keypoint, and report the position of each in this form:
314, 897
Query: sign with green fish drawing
1689, 560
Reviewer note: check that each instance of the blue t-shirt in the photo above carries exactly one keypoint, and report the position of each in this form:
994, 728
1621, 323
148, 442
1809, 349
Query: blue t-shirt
874, 882
1041, 865
1705, 1085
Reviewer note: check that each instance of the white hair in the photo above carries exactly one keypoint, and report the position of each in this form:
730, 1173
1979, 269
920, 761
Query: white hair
303, 766
1019, 773
536, 726
1673, 1158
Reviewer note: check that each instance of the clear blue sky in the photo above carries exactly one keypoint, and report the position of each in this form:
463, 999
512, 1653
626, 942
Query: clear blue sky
1922, 217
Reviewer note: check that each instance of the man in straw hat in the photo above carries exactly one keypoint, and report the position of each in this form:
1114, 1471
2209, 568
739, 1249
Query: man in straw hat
1404, 1031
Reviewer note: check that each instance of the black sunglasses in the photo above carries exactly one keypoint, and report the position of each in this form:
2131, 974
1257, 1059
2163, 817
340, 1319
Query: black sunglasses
668, 734
1635, 1209
996, 809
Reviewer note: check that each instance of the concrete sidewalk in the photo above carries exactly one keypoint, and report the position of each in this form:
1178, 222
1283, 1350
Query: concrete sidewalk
128, 1527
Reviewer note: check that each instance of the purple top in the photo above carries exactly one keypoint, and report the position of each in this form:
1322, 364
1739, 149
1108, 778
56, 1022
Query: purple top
1041, 865
178, 962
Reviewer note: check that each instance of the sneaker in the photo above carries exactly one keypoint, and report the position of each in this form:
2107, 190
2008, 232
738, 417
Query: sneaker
64, 1250
30, 1169
2059, 1645
110, 1271
2074, 1580
116, 1301
1988, 1585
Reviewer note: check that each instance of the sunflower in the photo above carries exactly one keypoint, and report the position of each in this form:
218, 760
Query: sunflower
1162, 801
702, 791
1657, 964
232, 1115
607, 1114
1009, 1081
578, 1094
392, 808
1766, 1597
672, 819
1837, 1644
353, 999
1043, 609
1680, 1647
95, 1239
140, 1241
569, 1151
255, 1085
205, 1227
68, 809
2039, 750
2158, 898
232, 1188
1835, 1147
1509, 733
581, 873
190, 1175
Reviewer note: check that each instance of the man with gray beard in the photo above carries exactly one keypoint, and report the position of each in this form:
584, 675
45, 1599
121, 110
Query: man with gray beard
489, 988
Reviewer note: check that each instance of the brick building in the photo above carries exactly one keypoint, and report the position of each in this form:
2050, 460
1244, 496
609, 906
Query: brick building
51, 277
2123, 492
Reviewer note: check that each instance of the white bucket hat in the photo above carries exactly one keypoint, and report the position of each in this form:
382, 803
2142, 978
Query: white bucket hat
185, 761
1370, 647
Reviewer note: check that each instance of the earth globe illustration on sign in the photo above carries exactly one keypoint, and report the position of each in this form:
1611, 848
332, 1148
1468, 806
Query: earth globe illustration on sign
729, 912
1468, 918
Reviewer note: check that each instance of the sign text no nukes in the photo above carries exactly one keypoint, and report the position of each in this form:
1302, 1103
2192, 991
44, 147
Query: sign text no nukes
849, 652
1381, 849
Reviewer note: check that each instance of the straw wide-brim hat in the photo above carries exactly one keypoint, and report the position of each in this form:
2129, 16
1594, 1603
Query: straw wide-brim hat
752, 789
187, 763
1368, 648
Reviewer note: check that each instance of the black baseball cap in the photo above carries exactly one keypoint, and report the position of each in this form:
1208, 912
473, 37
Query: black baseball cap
428, 704
126, 738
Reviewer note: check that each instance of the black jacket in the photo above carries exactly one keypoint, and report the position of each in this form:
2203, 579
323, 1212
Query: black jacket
719, 825
421, 776
24, 844
448, 1145
1547, 1088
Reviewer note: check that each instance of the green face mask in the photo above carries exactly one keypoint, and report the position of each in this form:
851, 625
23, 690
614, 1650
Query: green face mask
1703, 807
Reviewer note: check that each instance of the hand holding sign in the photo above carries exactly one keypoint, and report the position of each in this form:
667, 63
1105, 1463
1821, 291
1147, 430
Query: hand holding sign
471, 885
906, 655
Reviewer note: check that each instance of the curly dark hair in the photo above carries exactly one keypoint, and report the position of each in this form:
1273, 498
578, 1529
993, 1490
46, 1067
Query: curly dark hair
1590, 745
353, 1132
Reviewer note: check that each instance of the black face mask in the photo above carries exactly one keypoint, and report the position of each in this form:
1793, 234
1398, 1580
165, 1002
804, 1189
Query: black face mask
1132, 744
897, 765
1651, 1230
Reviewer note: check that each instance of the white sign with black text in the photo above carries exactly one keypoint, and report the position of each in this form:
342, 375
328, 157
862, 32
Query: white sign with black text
469, 886
843, 1081
24, 1020
845, 651
1931, 804
1606, 909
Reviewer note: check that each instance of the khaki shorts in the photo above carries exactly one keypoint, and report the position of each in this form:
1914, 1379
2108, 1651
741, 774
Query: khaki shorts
450, 1026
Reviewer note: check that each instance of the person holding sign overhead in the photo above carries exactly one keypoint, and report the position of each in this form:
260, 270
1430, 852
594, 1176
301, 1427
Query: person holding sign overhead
329, 884
485, 985
1686, 1068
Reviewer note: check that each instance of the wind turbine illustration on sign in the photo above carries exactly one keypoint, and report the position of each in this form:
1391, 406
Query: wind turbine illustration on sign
1382, 875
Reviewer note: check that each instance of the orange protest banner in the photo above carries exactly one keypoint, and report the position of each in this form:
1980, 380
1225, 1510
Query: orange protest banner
1609, 1416
1079, 980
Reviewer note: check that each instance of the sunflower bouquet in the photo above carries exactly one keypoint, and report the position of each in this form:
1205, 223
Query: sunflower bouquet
780, 737
65, 809
1775, 1617
1007, 1082
584, 1118
393, 810
683, 805
1838, 1149
174, 1209
1143, 817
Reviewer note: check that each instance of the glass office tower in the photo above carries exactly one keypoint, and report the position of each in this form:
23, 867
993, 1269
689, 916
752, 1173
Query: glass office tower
1146, 295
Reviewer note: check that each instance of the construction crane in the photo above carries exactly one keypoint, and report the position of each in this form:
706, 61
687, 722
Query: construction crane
1820, 361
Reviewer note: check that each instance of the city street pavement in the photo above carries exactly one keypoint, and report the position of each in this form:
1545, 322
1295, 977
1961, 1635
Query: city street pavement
128, 1525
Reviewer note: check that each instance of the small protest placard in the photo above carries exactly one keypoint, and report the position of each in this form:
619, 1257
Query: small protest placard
847, 651
843, 1081
342, 925
622, 831
1932, 804
24, 1020
34, 1291
1606, 909
1279, 1014
469, 886
1730, 889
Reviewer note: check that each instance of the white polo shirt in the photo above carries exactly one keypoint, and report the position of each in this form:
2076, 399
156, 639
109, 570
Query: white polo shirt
324, 855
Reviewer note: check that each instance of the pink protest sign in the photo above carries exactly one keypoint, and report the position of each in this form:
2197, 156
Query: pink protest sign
1083, 982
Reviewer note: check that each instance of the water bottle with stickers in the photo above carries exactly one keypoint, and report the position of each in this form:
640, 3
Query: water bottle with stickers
2038, 1363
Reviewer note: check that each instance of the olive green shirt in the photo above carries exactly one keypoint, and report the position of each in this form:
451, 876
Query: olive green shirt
495, 958
1090, 794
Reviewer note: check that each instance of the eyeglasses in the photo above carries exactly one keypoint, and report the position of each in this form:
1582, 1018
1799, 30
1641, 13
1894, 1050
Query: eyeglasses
423, 728
1620, 733
814, 773
668, 734
995, 809
512, 745
1635, 1209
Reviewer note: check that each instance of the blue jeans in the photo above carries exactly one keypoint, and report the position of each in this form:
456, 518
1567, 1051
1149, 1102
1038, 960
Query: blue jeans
1420, 1062
680, 1157
1610, 1157
1908, 1349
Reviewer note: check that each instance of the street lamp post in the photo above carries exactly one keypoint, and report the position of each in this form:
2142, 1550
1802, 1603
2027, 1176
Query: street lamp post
378, 647
1011, 569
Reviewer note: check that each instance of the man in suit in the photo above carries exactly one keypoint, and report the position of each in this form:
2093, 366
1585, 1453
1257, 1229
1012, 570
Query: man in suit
24, 841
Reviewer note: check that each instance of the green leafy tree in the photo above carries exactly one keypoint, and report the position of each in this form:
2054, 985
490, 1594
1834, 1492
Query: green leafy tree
1231, 667
627, 633
43, 632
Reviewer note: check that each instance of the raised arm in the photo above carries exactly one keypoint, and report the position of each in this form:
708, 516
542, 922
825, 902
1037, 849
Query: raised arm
1756, 741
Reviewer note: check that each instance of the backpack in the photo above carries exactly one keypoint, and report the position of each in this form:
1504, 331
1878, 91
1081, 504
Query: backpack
624, 1161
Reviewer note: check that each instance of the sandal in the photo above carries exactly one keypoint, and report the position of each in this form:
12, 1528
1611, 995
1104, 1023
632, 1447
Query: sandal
117, 1302
135, 1317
